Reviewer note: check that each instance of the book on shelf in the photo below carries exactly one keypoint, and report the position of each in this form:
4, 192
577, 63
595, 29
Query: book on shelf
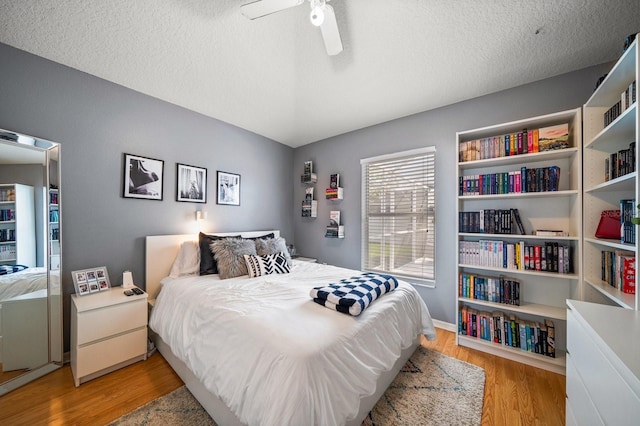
548, 256
521, 142
334, 181
540, 179
627, 98
508, 330
629, 275
334, 218
334, 231
627, 228
491, 221
308, 195
502, 289
308, 167
550, 233
620, 163
617, 267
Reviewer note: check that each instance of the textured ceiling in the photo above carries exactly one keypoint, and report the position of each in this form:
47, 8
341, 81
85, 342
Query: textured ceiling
273, 77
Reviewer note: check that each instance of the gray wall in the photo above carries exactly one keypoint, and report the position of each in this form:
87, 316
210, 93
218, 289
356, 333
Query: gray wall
96, 122
438, 128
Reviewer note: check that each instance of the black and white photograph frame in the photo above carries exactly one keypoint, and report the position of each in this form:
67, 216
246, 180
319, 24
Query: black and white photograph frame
143, 177
191, 185
228, 188
92, 280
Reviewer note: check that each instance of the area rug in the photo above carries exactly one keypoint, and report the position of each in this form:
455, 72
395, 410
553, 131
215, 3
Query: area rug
431, 389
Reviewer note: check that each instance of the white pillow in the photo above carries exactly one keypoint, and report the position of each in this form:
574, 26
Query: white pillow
188, 260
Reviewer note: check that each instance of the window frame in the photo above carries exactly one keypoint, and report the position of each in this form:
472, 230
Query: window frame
428, 179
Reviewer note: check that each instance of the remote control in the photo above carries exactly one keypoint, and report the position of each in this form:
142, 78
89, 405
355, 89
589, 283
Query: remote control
136, 290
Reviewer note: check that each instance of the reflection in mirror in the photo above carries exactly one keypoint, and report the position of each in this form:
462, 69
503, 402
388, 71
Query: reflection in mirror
30, 259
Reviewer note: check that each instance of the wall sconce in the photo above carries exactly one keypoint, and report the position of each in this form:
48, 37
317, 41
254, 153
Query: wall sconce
201, 215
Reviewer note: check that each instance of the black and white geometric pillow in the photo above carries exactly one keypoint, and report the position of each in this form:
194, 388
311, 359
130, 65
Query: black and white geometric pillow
269, 264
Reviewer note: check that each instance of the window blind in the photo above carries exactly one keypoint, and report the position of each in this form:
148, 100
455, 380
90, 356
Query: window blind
398, 214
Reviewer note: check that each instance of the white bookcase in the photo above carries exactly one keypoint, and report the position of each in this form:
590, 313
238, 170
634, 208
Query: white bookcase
54, 230
19, 244
600, 142
542, 294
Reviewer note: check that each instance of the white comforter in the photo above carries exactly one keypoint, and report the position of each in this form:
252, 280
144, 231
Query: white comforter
23, 282
273, 355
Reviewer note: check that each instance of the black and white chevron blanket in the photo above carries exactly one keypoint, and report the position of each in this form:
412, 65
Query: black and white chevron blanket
353, 295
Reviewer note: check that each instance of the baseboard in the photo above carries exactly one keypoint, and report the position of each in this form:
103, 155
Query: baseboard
445, 325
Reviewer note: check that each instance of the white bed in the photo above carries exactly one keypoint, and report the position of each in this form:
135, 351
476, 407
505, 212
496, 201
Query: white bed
259, 351
22, 282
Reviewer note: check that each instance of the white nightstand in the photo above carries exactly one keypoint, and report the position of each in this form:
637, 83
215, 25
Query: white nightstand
305, 259
108, 332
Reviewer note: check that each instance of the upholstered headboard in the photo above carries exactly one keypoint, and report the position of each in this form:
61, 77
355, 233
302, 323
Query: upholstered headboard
161, 251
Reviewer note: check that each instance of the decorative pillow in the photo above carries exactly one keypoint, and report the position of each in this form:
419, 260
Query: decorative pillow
11, 269
264, 265
265, 236
273, 246
208, 264
229, 253
187, 261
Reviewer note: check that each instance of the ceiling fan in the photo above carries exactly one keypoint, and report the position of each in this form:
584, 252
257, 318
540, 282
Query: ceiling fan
322, 16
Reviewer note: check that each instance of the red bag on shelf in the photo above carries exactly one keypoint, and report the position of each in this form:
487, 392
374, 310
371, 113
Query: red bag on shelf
609, 225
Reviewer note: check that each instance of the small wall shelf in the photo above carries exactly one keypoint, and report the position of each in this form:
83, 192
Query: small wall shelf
334, 193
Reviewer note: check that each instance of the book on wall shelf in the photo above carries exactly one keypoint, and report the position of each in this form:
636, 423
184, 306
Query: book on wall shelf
309, 205
334, 191
334, 230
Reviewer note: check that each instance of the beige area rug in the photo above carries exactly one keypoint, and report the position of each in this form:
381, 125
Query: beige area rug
431, 389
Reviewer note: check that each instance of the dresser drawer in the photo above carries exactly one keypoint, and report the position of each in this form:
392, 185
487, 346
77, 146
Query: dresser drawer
580, 408
101, 323
613, 398
104, 354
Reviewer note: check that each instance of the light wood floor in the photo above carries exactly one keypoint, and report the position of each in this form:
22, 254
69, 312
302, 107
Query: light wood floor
515, 394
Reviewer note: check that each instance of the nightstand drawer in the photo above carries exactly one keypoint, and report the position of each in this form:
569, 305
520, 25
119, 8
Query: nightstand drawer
110, 352
104, 322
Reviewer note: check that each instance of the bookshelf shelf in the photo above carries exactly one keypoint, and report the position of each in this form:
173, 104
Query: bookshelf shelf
519, 159
622, 183
519, 271
624, 300
556, 364
524, 308
544, 194
605, 138
517, 237
542, 292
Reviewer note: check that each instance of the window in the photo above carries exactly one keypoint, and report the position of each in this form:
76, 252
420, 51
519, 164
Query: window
398, 215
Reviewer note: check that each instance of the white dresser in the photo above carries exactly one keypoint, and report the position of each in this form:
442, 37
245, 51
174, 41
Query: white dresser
603, 365
108, 332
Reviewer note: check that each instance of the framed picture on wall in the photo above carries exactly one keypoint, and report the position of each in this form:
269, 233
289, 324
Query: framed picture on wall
142, 177
228, 187
191, 184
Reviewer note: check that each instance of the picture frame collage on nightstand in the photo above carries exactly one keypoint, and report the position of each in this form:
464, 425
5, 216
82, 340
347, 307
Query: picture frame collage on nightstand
92, 280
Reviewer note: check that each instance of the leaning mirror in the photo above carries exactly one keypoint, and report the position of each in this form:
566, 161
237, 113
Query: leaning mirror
30, 259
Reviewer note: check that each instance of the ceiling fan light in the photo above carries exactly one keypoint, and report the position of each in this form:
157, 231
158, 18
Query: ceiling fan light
317, 16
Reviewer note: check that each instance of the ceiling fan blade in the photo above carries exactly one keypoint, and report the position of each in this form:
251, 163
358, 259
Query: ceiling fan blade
261, 8
330, 33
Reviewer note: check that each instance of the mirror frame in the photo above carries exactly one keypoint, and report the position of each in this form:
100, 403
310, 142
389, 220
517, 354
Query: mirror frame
52, 170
